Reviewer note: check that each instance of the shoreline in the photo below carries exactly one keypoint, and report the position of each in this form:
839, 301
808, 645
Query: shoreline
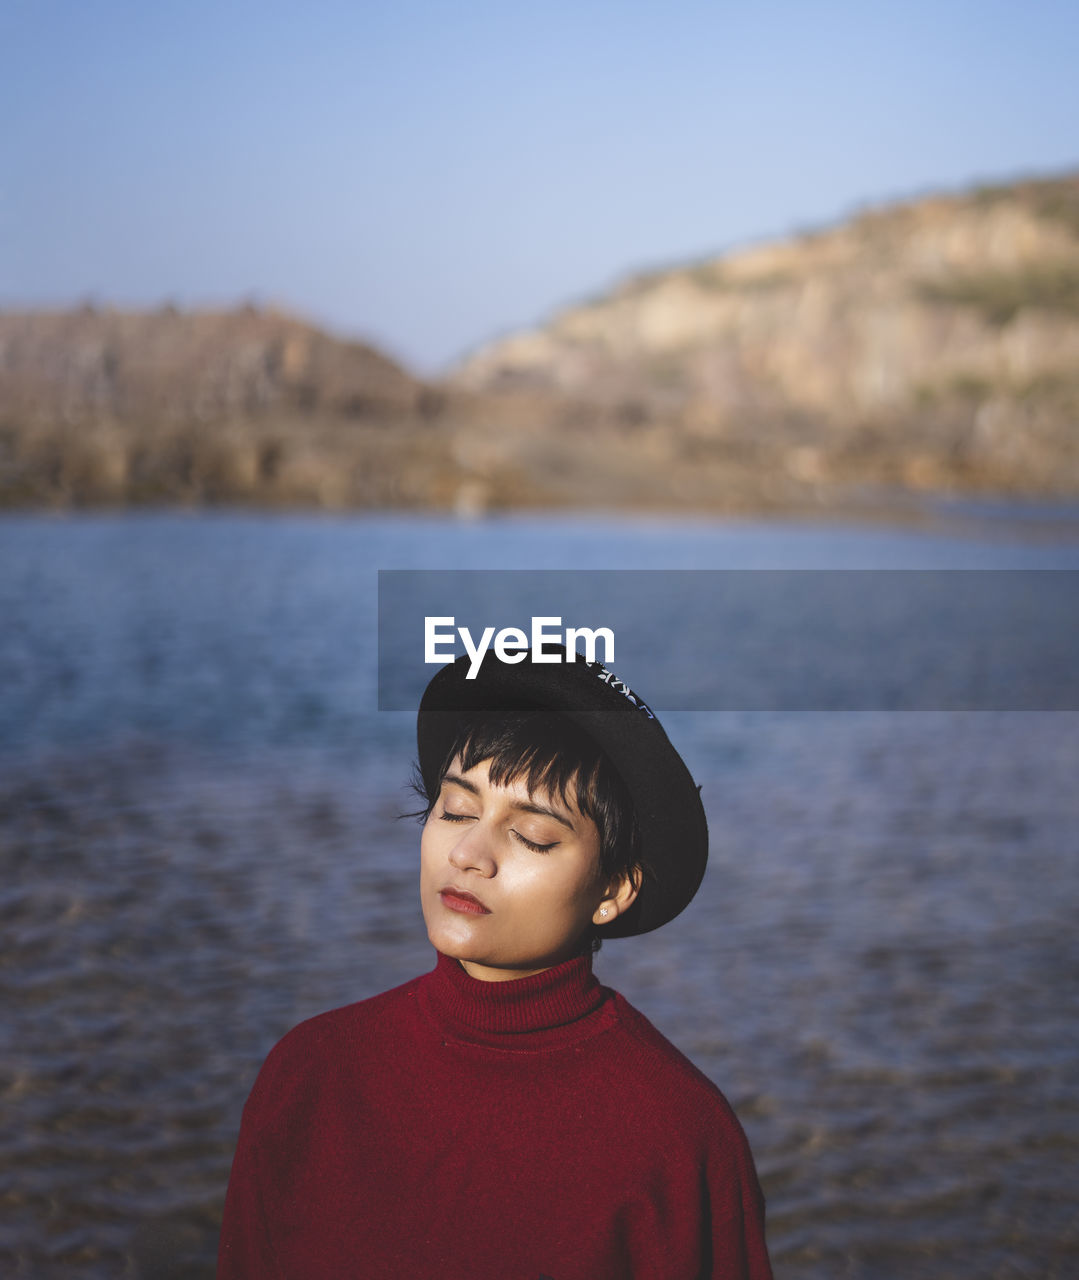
960, 515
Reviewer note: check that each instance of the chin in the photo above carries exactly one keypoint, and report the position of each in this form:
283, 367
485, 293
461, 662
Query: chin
450, 943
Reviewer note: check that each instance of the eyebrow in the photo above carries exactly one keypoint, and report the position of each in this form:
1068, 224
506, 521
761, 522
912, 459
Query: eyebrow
525, 806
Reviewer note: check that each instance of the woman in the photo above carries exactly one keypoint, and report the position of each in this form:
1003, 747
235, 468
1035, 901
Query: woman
505, 1116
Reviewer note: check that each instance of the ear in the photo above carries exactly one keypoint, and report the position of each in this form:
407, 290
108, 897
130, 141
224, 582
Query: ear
620, 896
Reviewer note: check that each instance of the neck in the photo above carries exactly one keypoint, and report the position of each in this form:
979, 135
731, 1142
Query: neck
484, 974
488, 973
525, 1003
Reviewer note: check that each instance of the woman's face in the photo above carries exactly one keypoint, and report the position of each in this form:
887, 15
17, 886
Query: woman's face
509, 882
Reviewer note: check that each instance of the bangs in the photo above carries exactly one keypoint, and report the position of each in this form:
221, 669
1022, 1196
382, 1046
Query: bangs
550, 754
538, 749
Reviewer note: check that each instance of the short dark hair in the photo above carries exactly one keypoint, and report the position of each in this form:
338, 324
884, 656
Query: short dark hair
549, 752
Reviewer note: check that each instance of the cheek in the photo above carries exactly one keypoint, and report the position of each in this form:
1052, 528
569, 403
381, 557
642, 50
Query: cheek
565, 891
430, 847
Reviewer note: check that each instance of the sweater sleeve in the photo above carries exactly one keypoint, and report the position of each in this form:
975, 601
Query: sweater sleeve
739, 1250
245, 1251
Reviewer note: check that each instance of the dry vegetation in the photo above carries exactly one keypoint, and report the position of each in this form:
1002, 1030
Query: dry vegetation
243, 407
930, 347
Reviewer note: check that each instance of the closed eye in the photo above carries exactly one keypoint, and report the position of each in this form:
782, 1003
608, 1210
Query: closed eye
454, 817
532, 844
447, 816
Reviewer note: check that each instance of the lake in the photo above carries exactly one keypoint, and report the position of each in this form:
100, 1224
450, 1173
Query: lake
201, 844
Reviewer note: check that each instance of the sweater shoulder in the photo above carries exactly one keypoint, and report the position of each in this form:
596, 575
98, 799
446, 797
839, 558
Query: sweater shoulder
334, 1025
687, 1113
303, 1057
668, 1075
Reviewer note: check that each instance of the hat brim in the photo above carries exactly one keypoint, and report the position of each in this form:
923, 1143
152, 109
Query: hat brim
670, 815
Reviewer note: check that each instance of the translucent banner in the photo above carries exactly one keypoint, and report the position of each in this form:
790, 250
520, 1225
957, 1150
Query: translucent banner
753, 640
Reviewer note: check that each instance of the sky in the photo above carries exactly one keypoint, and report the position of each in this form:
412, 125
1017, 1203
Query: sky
430, 175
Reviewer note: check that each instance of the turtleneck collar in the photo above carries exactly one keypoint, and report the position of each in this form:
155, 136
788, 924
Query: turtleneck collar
545, 1002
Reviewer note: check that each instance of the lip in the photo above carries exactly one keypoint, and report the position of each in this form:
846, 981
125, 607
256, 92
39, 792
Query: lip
461, 900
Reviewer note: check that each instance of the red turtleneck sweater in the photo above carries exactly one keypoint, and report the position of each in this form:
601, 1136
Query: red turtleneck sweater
451, 1129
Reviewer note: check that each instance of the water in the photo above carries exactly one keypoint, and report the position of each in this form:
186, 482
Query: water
200, 844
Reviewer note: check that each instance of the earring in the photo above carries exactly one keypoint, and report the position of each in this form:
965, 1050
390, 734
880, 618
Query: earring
603, 911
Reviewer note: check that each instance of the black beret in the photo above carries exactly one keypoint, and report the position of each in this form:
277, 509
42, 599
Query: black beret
670, 816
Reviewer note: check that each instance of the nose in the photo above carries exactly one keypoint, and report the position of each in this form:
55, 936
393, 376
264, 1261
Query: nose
472, 851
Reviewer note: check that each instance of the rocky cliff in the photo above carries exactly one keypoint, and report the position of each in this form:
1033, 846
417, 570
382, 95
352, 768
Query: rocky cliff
101, 406
931, 345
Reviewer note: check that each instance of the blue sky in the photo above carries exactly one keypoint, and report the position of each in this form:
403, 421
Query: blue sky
428, 175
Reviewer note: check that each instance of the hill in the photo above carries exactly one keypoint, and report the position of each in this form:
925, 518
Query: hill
101, 406
930, 347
